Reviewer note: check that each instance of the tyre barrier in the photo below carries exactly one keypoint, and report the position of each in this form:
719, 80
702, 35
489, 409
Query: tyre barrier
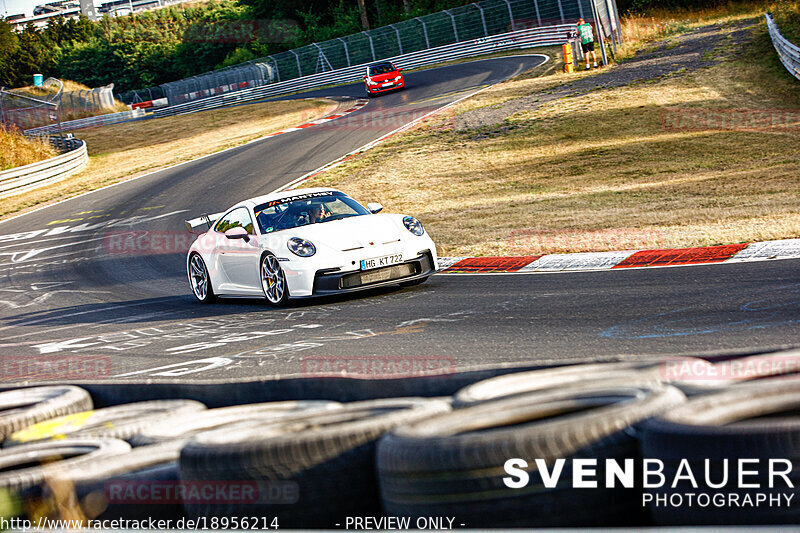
108, 487
18, 468
315, 463
453, 464
322, 465
171, 430
539, 380
729, 373
754, 421
24, 407
225, 393
121, 421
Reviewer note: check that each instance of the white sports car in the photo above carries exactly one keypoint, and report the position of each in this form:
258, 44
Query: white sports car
305, 242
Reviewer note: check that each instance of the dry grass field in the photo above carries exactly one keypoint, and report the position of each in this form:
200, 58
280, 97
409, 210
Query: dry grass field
16, 150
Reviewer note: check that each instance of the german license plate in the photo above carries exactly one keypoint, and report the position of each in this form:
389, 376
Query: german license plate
377, 262
388, 84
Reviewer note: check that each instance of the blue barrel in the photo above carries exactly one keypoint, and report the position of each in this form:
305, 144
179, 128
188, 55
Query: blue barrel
37, 80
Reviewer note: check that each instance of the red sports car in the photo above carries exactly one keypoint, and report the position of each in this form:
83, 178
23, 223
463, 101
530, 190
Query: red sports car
383, 77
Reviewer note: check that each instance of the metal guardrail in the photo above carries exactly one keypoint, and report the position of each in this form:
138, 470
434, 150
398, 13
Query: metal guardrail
458, 24
89, 122
527, 38
788, 52
21, 179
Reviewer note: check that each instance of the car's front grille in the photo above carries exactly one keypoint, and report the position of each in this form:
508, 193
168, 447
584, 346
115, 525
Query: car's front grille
331, 280
358, 279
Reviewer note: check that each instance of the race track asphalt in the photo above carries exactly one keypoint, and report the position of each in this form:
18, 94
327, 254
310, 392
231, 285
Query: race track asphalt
70, 295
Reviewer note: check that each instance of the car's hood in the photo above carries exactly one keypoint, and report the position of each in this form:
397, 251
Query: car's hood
384, 77
352, 232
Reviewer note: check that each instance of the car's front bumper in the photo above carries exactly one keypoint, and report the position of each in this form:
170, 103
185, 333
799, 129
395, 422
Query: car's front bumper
332, 281
375, 89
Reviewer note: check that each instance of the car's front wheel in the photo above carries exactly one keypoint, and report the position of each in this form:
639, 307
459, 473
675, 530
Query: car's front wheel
200, 280
273, 281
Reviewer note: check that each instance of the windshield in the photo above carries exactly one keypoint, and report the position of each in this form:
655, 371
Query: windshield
304, 209
383, 68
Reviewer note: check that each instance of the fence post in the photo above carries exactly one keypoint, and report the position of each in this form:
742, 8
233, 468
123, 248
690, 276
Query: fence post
399, 44
346, 52
299, 69
561, 12
538, 16
371, 46
483, 20
619, 24
453, 19
424, 31
323, 58
598, 25
511, 15
277, 71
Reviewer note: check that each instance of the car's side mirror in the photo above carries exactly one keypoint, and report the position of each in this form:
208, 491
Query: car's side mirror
237, 233
365, 77
399, 70
374, 207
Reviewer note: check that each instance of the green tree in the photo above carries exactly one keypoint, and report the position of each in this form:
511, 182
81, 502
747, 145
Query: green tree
9, 48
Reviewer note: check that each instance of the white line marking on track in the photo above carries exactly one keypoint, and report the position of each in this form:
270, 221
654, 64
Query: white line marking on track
59, 317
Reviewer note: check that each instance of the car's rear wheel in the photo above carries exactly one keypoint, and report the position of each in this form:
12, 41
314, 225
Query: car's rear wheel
200, 280
273, 281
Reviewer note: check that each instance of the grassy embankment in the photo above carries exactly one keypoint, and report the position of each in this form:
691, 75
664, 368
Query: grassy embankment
17, 151
604, 170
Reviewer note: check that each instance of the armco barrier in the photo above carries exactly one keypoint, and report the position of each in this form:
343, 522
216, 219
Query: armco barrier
528, 38
788, 52
89, 122
21, 179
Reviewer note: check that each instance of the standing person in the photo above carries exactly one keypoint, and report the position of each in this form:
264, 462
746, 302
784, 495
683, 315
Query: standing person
587, 42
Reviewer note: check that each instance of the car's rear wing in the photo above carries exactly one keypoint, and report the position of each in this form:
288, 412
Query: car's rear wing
208, 220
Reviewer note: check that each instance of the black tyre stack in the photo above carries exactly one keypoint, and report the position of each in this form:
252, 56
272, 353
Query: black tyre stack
311, 471
755, 421
316, 463
453, 465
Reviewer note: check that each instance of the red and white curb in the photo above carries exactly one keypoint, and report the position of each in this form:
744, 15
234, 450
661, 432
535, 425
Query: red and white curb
361, 102
729, 253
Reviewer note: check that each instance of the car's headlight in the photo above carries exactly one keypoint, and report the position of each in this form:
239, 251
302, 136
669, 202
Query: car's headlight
370, 82
398, 78
413, 225
301, 247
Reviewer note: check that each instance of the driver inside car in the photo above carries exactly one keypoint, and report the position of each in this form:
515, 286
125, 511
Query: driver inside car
316, 213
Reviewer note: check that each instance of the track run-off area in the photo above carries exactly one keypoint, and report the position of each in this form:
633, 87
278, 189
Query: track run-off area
68, 290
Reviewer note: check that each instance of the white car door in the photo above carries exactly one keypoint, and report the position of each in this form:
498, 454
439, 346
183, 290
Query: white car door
238, 257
